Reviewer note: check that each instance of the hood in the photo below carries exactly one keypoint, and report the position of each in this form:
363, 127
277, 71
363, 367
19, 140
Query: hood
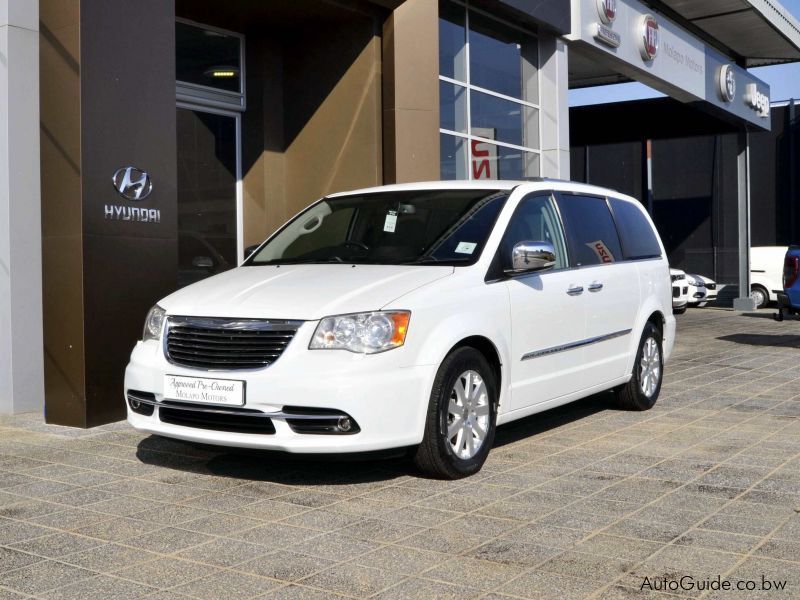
303, 292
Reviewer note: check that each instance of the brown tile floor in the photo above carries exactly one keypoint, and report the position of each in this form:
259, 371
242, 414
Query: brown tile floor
580, 502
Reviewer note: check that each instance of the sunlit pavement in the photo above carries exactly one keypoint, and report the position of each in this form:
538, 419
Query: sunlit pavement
585, 501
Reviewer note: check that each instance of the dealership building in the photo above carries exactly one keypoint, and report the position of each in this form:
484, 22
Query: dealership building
144, 144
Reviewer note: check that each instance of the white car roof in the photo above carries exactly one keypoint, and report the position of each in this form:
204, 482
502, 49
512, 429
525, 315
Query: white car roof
488, 184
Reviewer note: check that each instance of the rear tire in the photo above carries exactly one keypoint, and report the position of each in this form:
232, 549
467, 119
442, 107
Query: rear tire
641, 392
461, 419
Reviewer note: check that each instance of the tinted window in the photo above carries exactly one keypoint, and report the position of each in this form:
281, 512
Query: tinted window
534, 220
637, 235
590, 229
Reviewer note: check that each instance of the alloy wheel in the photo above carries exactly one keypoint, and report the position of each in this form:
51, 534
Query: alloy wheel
650, 367
467, 415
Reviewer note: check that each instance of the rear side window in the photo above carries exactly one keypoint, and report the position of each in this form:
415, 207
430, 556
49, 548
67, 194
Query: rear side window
591, 232
638, 238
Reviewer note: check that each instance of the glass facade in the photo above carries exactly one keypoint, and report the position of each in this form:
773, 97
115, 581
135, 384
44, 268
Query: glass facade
488, 96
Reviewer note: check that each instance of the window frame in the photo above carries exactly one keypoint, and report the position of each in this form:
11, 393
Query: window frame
467, 85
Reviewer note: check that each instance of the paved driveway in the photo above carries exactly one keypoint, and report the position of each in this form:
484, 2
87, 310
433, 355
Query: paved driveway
585, 501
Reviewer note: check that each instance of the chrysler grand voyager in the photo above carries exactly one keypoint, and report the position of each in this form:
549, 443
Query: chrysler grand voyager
417, 315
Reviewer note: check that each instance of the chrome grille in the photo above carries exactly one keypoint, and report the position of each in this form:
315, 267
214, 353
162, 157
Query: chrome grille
226, 344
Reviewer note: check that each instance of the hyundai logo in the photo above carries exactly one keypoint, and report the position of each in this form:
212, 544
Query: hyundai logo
132, 183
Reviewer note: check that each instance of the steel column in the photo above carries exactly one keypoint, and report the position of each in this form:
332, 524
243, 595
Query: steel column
744, 302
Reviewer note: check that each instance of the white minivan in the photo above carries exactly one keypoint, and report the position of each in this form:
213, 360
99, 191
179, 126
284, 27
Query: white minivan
416, 315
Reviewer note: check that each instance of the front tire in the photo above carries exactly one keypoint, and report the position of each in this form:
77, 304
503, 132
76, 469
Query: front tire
641, 392
461, 419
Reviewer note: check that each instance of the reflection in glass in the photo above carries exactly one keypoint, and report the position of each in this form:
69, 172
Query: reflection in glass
453, 107
206, 57
502, 59
206, 194
509, 121
453, 157
490, 161
452, 41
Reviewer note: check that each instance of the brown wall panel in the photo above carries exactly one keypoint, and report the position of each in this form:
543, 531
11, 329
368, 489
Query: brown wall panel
333, 123
62, 251
411, 93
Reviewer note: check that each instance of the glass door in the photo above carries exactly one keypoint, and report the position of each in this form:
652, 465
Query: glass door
209, 195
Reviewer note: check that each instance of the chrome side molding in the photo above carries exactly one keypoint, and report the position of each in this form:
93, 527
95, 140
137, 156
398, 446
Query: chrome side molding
573, 345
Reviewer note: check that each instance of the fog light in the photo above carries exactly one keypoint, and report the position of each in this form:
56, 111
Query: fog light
345, 424
135, 404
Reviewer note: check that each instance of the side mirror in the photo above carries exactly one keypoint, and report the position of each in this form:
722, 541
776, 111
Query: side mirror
249, 250
202, 262
532, 256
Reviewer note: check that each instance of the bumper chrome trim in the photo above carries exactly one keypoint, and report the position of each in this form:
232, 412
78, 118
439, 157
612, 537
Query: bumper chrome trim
248, 412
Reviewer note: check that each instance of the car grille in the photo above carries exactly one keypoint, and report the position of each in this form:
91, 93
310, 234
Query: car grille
227, 344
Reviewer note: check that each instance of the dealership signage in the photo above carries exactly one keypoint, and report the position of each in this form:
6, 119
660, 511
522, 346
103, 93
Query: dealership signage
627, 37
133, 184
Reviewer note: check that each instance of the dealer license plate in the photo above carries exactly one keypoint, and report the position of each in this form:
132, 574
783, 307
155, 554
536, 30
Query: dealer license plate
203, 390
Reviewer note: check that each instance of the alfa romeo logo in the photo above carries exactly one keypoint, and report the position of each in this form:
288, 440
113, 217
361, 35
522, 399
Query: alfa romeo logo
607, 9
649, 40
726, 80
132, 183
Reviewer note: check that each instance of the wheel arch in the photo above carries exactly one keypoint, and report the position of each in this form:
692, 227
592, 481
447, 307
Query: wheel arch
486, 347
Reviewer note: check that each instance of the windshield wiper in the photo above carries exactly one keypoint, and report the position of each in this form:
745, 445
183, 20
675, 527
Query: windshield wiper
425, 260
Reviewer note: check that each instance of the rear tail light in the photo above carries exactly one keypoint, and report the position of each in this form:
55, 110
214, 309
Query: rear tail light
791, 269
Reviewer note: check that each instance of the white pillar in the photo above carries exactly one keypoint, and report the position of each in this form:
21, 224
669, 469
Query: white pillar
554, 102
21, 354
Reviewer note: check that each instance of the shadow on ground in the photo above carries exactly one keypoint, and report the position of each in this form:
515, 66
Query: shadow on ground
763, 339
336, 469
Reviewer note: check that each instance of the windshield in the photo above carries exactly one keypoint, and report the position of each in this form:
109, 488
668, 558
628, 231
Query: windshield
389, 228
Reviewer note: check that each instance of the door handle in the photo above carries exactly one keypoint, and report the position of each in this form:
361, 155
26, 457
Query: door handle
595, 286
575, 290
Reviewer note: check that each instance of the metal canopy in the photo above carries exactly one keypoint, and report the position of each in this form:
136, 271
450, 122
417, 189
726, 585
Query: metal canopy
755, 32
752, 32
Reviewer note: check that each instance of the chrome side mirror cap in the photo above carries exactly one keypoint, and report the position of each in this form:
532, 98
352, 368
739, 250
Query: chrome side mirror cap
532, 256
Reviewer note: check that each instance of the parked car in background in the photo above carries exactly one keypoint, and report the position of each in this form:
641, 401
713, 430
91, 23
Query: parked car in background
789, 298
702, 290
413, 316
680, 291
766, 273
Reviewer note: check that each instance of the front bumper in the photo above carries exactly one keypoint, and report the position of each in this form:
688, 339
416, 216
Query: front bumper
386, 400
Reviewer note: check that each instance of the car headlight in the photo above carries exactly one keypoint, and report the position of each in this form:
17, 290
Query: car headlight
153, 323
364, 333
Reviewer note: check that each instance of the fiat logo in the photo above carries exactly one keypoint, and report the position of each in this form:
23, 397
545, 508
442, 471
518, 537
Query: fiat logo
607, 9
648, 44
